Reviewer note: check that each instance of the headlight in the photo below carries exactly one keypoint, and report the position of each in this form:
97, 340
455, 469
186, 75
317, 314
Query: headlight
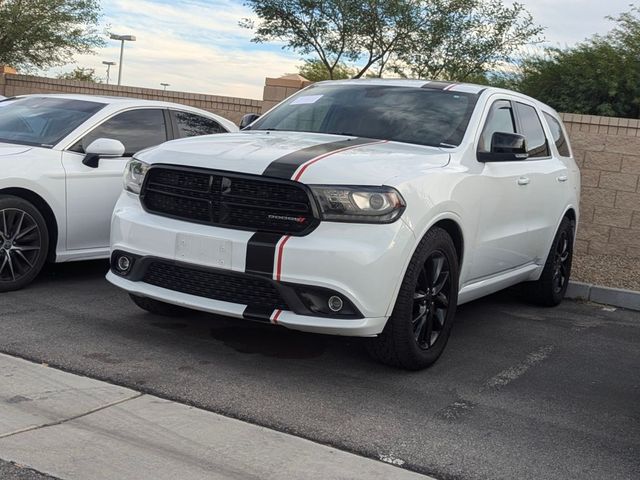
359, 204
134, 174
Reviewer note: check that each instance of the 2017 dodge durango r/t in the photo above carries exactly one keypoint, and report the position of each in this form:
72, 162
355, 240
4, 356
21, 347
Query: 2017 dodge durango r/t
366, 207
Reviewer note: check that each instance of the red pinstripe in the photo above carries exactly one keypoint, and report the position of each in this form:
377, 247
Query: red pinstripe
279, 259
317, 159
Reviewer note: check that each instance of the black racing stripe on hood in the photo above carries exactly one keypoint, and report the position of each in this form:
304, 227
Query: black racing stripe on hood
285, 167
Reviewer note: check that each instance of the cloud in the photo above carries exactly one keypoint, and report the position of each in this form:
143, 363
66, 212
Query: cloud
568, 22
193, 45
197, 45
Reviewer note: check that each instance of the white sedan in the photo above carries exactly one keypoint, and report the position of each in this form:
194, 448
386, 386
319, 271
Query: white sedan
61, 164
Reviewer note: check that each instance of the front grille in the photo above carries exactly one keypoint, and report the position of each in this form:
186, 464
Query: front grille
229, 200
240, 288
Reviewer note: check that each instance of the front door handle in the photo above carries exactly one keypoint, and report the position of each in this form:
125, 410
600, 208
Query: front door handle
524, 181
562, 178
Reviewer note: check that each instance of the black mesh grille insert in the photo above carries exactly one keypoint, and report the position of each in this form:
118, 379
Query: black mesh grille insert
242, 289
230, 200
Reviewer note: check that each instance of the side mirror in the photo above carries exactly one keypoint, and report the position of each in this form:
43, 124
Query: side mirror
505, 147
248, 119
102, 148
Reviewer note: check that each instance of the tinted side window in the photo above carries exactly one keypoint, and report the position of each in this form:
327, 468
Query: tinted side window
136, 129
532, 130
558, 135
500, 119
192, 125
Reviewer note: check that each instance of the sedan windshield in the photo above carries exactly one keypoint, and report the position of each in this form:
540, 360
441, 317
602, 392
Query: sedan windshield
403, 114
42, 121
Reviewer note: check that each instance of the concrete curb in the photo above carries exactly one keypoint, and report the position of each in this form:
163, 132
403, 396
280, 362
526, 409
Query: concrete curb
616, 297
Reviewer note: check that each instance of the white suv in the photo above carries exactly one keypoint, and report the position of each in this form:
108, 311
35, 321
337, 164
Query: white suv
365, 207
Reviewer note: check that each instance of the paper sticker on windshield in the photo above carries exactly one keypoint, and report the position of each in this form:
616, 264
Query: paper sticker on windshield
306, 100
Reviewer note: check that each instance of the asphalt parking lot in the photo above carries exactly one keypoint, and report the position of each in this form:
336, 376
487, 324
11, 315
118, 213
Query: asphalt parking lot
520, 393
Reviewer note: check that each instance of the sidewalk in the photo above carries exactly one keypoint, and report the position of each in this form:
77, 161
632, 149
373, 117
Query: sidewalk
73, 427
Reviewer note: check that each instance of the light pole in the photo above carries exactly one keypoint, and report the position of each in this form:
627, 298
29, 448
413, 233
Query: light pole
109, 64
165, 85
122, 38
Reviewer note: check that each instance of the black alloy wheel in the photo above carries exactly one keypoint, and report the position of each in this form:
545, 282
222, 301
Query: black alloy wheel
20, 244
561, 263
418, 330
550, 288
431, 300
24, 243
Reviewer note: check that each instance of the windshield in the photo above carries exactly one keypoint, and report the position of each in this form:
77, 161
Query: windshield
42, 121
402, 114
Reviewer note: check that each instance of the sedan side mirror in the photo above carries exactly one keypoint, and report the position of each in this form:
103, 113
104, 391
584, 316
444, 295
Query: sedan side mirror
248, 119
102, 148
505, 147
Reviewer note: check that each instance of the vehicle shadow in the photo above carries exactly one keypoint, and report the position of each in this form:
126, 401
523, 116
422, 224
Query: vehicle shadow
272, 343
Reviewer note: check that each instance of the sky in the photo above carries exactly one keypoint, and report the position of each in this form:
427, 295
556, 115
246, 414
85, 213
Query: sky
197, 45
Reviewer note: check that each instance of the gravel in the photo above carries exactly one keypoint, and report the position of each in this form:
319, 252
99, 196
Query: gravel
15, 471
607, 271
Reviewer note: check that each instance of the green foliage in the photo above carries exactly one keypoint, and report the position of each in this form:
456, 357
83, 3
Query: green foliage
454, 38
44, 33
600, 76
316, 71
81, 74
465, 39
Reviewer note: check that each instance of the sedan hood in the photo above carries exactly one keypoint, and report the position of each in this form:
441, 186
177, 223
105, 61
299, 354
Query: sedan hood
307, 157
7, 149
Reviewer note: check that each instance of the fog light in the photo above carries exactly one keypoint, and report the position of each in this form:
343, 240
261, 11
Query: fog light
335, 303
123, 263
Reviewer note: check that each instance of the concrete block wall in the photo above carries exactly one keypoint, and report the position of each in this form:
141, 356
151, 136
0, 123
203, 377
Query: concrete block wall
608, 152
228, 107
277, 89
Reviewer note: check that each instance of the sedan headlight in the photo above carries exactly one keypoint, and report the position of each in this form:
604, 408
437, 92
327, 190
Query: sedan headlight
134, 174
340, 203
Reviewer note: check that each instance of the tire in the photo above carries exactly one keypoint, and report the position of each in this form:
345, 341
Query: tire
403, 343
24, 243
550, 289
159, 308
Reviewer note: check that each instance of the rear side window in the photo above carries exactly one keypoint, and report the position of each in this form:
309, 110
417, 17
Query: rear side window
192, 125
501, 120
136, 129
531, 127
558, 135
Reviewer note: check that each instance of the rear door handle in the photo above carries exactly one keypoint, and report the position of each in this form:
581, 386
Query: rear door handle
562, 178
524, 181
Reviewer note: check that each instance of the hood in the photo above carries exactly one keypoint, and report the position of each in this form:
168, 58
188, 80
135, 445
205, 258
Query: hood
7, 149
307, 157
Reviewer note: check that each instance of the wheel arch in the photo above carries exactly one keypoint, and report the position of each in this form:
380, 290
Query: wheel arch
455, 232
571, 214
46, 211
449, 222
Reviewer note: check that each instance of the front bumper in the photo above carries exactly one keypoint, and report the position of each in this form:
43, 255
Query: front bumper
362, 263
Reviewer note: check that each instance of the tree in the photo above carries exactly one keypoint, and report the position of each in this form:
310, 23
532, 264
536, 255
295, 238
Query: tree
81, 74
45, 33
463, 39
454, 38
600, 76
316, 71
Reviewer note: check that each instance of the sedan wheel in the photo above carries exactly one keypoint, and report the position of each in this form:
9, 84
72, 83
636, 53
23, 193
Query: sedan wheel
23, 243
